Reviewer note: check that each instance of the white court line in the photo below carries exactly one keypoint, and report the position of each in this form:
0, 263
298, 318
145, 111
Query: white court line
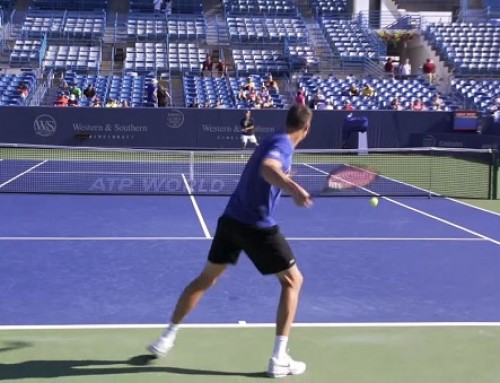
325, 239
473, 206
22, 174
442, 220
243, 324
196, 207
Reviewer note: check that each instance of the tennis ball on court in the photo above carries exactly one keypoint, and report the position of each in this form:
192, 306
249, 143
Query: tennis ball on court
374, 201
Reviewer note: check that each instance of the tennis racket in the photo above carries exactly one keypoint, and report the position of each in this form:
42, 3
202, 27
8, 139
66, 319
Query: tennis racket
348, 178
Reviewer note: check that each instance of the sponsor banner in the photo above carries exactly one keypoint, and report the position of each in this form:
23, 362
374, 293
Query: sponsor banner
455, 140
201, 128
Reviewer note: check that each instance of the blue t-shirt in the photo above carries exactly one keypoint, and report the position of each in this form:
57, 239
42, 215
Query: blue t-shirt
254, 199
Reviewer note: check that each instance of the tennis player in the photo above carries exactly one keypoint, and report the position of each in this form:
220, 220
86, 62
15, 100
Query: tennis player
248, 225
248, 130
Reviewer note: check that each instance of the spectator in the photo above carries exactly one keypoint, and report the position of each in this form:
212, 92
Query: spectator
206, 66
163, 96
75, 89
429, 70
90, 92
168, 6
221, 68
152, 93
329, 105
347, 105
396, 105
437, 103
494, 109
23, 91
318, 98
73, 101
249, 85
417, 105
353, 90
406, 70
300, 99
62, 99
271, 84
389, 67
368, 91
157, 5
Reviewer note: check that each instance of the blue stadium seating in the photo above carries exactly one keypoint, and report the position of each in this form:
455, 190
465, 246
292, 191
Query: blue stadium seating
260, 61
470, 48
89, 25
329, 7
9, 84
476, 94
386, 90
207, 90
26, 51
128, 88
237, 83
260, 7
72, 57
348, 39
267, 29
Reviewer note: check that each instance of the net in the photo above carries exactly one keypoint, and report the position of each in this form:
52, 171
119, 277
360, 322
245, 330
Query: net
402, 172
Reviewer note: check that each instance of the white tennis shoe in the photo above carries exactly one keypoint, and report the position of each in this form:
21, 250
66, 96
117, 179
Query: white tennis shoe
161, 346
279, 368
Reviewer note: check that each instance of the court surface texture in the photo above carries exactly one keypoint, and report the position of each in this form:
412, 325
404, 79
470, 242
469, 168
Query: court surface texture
405, 292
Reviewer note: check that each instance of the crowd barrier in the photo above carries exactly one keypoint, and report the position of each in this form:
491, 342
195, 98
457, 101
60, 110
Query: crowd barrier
219, 128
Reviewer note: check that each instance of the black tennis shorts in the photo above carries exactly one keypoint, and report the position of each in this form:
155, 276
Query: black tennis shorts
267, 248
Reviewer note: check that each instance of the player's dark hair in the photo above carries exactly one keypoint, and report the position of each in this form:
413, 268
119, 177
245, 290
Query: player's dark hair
298, 116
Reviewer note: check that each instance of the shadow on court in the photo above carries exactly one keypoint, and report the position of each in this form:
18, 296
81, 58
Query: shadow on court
137, 364
10, 346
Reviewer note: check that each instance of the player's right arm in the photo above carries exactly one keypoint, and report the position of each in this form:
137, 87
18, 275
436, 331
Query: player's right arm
271, 170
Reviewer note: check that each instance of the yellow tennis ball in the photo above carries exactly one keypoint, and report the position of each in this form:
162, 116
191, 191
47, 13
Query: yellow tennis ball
374, 201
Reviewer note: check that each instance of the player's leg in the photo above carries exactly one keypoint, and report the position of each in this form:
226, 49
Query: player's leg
272, 255
222, 252
244, 140
195, 290
253, 140
187, 301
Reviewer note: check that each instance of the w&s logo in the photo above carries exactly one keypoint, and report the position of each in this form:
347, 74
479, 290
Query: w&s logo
45, 125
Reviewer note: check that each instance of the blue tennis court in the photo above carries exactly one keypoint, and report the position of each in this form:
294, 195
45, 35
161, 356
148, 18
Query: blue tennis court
92, 261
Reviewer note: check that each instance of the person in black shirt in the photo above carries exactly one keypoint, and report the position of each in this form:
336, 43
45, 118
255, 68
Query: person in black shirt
163, 96
248, 130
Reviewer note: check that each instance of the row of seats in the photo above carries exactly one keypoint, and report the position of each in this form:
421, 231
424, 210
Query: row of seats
223, 92
337, 90
470, 48
329, 7
155, 56
129, 88
72, 57
28, 50
477, 94
348, 39
260, 7
59, 23
207, 91
153, 26
259, 61
267, 29
10, 93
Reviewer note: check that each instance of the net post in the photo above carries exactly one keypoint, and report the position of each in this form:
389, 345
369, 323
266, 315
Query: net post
191, 167
495, 170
